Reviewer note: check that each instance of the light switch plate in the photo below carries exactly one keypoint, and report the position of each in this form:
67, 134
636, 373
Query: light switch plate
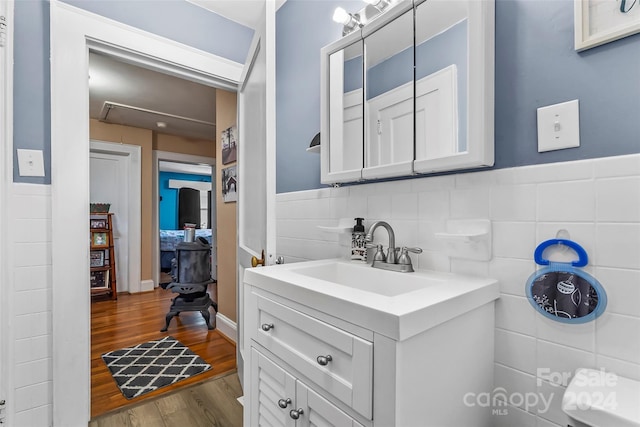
559, 126
30, 162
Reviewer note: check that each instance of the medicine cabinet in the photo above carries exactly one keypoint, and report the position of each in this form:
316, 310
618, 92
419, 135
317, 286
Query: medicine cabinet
412, 92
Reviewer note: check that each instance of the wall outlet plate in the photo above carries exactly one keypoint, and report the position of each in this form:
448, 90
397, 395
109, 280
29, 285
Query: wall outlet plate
559, 126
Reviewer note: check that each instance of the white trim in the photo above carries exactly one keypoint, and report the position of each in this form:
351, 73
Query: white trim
227, 327
73, 31
155, 213
134, 161
7, 335
196, 185
146, 285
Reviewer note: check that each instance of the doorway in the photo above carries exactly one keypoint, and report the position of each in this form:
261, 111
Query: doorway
72, 34
115, 172
171, 174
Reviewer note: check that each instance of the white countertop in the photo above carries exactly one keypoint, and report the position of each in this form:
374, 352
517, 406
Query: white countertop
443, 296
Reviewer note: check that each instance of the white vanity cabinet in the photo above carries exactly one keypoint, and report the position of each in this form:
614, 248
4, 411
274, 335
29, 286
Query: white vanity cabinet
342, 365
279, 399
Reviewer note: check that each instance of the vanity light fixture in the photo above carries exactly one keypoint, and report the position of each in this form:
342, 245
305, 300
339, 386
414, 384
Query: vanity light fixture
349, 21
354, 21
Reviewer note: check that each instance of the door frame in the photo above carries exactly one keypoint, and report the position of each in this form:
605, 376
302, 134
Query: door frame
132, 155
155, 208
73, 33
263, 43
6, 180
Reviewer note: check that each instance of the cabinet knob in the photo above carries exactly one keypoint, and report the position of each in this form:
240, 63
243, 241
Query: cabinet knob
324, 360
283, 403
267, 327
295, 413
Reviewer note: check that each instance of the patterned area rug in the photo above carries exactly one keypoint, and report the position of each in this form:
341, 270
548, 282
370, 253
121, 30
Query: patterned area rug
151, 365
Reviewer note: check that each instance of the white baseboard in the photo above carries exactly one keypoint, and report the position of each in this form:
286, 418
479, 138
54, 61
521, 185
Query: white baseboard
141, 286
227, 327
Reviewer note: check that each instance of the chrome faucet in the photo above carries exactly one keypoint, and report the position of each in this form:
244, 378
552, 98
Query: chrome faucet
390, 261
391, 253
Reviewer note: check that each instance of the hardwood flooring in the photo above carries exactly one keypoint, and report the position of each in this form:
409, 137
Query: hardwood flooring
137, 318
211, 403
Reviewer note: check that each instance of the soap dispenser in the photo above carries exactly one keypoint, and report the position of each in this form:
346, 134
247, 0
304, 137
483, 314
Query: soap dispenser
358, 242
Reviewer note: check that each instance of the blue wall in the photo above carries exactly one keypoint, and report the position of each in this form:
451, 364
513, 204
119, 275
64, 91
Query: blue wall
178, 20
536, 65
168, 212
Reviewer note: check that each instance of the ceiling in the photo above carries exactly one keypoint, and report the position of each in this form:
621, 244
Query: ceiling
133, 96
125, 94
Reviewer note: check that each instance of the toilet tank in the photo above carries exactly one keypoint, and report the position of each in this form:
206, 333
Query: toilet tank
596, 398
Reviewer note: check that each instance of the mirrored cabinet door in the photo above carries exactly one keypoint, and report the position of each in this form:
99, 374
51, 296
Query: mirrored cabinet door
343, 146
441, 79
454, 84
388, 109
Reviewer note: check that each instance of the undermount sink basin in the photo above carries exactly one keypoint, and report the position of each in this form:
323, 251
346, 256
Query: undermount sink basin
366, 278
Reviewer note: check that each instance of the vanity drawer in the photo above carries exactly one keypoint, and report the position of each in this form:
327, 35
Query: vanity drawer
303, 341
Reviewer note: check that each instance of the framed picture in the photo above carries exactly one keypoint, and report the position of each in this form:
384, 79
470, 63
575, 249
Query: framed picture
99, 279
98, 223
229, 145
229, 184
602, 21
97, 258
100, 239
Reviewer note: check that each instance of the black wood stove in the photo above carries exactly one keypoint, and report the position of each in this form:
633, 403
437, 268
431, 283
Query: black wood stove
191, 274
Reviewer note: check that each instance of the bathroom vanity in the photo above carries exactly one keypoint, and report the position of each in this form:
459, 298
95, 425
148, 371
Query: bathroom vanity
335, 342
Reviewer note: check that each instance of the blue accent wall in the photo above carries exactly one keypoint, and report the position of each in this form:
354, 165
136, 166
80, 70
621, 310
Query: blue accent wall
178, 20
353, 74
536, 65
168, 211
390, 73
32, 85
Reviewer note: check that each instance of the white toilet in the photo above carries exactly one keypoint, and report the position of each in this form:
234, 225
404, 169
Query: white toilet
596, 398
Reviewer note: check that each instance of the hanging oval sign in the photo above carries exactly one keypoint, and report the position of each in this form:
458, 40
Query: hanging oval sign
561, 291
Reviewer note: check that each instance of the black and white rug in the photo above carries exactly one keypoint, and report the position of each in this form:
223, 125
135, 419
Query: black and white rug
151, 365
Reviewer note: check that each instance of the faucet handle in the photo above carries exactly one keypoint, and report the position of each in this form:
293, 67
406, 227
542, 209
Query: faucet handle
414, 250
379, 255
404, 255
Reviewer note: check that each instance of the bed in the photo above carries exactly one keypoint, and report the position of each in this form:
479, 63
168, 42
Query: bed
168, 241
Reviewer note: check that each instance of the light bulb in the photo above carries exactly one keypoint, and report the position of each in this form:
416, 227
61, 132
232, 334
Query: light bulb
341, 16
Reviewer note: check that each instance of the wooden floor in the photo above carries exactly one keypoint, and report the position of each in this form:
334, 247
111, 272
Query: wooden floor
212, 403
134, 319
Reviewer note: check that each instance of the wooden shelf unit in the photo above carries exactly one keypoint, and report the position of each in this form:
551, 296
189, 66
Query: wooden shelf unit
102, 256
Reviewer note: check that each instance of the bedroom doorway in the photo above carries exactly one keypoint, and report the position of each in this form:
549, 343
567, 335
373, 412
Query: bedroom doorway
198, 166
197, 180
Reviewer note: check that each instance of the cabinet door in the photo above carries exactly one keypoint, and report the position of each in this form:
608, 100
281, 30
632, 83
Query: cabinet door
270, 385
318, 411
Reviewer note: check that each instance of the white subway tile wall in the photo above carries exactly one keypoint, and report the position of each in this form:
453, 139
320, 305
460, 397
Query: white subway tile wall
30, 232
596, 201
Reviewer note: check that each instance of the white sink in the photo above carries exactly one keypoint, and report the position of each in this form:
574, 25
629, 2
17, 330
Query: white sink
368, 279
397, 305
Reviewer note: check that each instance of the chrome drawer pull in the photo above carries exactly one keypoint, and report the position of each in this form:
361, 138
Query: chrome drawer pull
267, 326
283, 403
324, 360
295, 413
